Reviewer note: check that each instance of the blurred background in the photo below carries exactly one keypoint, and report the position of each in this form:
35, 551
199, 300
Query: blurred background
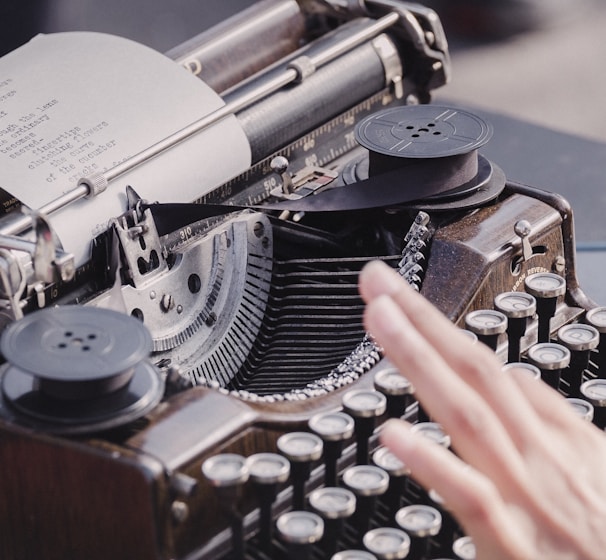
533, 67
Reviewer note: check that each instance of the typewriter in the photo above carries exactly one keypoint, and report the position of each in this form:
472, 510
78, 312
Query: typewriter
200, 386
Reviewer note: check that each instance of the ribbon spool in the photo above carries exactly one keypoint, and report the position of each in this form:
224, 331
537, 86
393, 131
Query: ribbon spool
432, 150
77, 369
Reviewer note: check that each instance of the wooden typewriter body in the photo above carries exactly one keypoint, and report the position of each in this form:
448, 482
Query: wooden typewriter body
138, 491
131, 495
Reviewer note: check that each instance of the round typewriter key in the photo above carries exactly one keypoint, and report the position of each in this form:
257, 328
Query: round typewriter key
550, 358
386, 460
387, 543
365, 407
532, 371
268, 468
518, 307
546, 287
398, 475
470, 335
225, 470
353, 555
390, 381
487, 324
582, 408
301, 449
580, 339
334, 428
420, 522
596, 317
595, 392
364, 404
432, 431
334, 505
367, 482
396, 388
267, 471
299, 530
464, 548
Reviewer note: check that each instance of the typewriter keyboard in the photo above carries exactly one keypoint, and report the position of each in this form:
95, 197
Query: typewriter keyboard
332, 492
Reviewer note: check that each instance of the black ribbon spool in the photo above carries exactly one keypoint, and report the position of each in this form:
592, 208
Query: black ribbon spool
78, 369
432, 149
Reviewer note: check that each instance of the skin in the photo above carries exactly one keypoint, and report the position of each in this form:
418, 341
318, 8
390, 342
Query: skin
528, 481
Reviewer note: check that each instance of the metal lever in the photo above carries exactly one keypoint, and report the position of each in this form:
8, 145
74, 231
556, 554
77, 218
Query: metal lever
522, 229
46, 256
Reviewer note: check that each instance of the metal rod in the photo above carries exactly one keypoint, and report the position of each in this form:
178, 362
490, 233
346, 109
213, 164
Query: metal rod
235, 104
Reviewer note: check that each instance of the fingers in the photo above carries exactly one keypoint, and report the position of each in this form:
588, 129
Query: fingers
551, 405
475, 364
467, 494
476, 432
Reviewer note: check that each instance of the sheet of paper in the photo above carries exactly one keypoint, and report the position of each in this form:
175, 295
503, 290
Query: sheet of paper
75, 104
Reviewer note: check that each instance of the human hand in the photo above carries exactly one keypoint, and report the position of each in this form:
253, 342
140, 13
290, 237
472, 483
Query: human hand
528, 479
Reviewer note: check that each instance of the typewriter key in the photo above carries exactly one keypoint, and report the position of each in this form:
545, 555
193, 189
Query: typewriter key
518, 307
396, 388
367, 482
487, 325
420, 523
228, 473
299, 530
301, 449
353, 555
226, 470
432, 431
473, 337
532, 371
550, 358
596, 317
334, 428
464, 549
365, 407
77, 369
267, 471
582, 408
334, 505
387, 543
595, 392
546, 287
398, 475
580, 339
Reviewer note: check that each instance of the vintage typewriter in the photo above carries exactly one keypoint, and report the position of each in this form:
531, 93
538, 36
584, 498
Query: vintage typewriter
229, 408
